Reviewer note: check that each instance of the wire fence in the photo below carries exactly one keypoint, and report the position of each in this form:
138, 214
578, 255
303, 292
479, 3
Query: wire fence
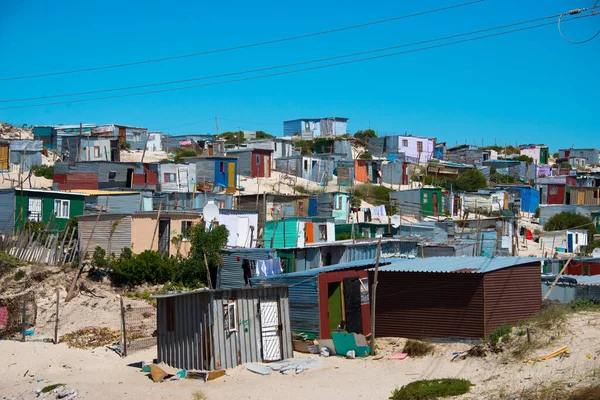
138, 328
18, 314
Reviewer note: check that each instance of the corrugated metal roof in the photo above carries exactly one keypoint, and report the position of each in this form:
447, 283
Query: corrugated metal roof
593, 280
94, 192
475, 265
317, 271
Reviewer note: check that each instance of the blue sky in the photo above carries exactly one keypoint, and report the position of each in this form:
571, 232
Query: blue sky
527, 87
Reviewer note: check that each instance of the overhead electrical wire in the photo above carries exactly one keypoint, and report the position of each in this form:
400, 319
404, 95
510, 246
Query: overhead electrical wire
293, 71
245, 46
295, 64
577, 11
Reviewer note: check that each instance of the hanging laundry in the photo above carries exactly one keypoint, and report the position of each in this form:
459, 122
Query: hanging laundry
529, 235
367, 215
276, 268
382, 211
263, 267
246, 267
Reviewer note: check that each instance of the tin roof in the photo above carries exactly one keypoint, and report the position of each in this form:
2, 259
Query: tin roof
197, 291
475, 265
316, 271
94, 192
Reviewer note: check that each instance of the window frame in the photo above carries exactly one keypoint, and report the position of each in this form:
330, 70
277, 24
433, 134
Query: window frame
59, 213
419, 146
222, 167
39, 214
258, 159
229, 311
186, 228
323, 232
404, 142
96, 151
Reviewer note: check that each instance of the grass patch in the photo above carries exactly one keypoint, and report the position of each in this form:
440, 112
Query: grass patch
502, 332
143, 296
374, 194
89, 338
20, 274
416, 348
50, 388
431, 389
199, 395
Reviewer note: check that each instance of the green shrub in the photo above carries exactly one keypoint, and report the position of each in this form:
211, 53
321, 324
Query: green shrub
180, 153
20, 274
366, 156
8, 262
432, 389
416, 348
502, 332
567, 220
99, 259
44, 171
146, 267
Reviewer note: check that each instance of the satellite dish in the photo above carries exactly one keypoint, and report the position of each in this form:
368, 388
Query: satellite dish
211, 212
395, 221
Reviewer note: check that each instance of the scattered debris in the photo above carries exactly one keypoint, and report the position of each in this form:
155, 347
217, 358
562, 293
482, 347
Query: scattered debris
475, 351
215, 374
328, 344
351, 354
344, 342
89, 338
157, 374
258, 369
399, 356
562, 350
324, 352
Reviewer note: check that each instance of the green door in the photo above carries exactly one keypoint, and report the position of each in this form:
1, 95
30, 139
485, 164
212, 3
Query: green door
334, 305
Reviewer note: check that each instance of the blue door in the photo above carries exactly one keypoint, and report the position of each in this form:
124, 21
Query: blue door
569, 242
312, 207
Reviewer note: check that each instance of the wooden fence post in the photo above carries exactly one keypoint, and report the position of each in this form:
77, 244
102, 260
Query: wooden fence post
123, 328
56, 323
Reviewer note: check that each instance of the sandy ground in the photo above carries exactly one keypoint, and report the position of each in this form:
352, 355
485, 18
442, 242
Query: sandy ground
136, 156
101, 374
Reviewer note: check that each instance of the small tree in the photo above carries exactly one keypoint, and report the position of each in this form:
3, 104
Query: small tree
365, 135
471, 179
567, 220
366, 156
205, 245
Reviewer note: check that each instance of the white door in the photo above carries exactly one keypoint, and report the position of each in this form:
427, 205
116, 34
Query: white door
184, 179
271, 335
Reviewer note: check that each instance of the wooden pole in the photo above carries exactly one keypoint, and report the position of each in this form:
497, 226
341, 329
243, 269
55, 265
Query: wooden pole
562, 271
145, 145
56, 321
124, 327
208, 278
374, 297
156, 225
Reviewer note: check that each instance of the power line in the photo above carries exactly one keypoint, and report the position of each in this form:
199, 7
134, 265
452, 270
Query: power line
282, 65
573, 12
292, 71
245, 46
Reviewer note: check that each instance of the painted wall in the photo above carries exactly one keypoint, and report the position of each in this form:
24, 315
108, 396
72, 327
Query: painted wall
238, 225
95, 149
141, 236
409, 146
23, 213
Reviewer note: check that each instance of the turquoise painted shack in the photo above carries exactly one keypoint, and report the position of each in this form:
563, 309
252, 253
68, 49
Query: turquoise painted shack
333, 204
298, 232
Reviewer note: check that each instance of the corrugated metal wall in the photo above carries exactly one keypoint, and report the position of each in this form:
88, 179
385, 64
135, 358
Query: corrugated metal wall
191, 332
512, 295
304, 300
7, 211
392, 173
122, 204
407, 202
119, 239
230, 274
244, 162
429, 305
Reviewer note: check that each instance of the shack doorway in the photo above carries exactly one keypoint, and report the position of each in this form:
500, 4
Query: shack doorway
334, 305
270, 330
164, 227
352, 303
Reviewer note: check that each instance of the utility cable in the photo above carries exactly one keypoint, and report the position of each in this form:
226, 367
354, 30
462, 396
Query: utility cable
574, 12
245, 46
282, 65
289, 72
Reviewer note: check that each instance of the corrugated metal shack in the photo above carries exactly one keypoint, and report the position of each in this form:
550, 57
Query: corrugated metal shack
519, 170
569, 288
97, 149
215, 329
345, 172
548, 211
7, 211
104, 175
395, 173
455, 297
253, 162
465, 154
527, 197
316, 305
180, 178
25, 154
587, 196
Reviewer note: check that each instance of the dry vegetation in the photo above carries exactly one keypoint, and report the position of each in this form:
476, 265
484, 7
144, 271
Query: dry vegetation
416, 348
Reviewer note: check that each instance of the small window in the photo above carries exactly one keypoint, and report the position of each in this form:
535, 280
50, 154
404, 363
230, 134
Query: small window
404, 142
364, 290
307, 126
61, 208
275, 146
168, 177
322, 232
379, 233
553, 191
186, 229
586, 270
230, 317
222, 167
340, 203
112, 175
425, 198
420, 146
306, 165
257, 159
595, 194
35, 210
366, 232
97, 151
